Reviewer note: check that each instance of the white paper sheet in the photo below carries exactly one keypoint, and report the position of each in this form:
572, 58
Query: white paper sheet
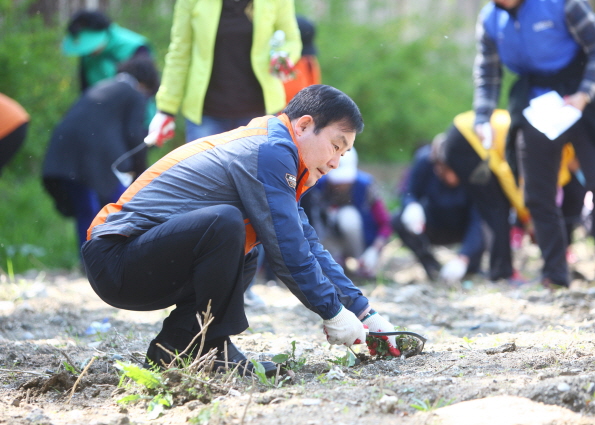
548, 114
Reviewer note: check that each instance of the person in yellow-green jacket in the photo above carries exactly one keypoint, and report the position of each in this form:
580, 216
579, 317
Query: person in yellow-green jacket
218, 66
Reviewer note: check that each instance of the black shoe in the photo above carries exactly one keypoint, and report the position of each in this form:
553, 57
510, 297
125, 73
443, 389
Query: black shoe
158, 357
235, 357
432, 268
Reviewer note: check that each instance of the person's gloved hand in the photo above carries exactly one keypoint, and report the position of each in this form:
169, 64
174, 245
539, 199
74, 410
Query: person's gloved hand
369, 260
344, 329
377, 323
454, 270
414, 218
161, 129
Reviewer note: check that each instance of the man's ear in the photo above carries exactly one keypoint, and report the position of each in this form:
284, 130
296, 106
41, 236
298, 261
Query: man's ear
302, 123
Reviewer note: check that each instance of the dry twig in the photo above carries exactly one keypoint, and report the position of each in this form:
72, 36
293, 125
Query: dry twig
80, 377
24, 371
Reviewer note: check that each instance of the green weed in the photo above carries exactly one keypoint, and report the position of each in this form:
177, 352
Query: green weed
206, 414
428, 406
273, 381
348, 359
159, 396
290, 360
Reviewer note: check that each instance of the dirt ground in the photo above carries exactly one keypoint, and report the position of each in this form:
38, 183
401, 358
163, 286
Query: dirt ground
496, 354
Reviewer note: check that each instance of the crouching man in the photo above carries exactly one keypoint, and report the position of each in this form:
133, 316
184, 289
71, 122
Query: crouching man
184, 232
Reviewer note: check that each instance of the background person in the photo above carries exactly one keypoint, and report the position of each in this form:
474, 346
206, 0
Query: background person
354, 221
437, 210
184, 233
489, 181
101, 46
550, 45
217, 68
106, 123
13, 128
307, 69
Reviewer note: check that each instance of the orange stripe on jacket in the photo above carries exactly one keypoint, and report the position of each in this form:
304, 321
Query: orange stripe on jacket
174, 158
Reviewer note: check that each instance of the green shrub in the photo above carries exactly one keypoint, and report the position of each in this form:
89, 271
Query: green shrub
408, 89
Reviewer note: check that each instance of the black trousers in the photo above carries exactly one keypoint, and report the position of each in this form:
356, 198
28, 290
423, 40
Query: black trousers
572, 206
539, 165
187, 261
421, 245
488, 197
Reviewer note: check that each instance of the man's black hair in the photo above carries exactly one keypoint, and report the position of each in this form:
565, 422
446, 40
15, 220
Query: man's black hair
88, 20
143, 69
327, 105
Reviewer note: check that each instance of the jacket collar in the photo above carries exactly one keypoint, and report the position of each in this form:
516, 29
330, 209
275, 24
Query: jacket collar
303, 172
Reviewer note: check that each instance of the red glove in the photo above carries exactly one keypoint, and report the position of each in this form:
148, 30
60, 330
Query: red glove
161, 129
384, 346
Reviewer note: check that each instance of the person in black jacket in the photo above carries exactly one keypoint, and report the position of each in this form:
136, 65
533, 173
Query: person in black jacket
98, 149
437, 210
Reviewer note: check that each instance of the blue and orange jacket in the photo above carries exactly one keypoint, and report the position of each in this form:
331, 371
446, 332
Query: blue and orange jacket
257, 169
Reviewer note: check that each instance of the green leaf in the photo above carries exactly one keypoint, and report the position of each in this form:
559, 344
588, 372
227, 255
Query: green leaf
259, 368
129, 398
70, 368
141, 376
280, 358
350, 359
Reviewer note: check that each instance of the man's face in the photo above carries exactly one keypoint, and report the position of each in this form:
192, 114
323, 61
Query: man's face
507, 4
321, 152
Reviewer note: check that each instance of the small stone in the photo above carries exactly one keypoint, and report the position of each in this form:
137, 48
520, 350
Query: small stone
335, 373
387, 404
563, 387
122, 420
193, 405
505, 348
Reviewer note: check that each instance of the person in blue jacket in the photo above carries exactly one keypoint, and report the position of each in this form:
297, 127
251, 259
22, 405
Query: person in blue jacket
350, 216
437, 210
184, 233
550, 46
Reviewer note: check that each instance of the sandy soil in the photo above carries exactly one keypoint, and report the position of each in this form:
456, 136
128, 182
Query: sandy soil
495, 354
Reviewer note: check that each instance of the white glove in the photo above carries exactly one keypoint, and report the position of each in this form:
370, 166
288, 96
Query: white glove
344, 329
454, 270
377, 323
161, 129
368, 260
414, 218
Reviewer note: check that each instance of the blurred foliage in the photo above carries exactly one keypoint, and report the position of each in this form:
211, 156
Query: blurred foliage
34, 72
409, 78
408, 89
